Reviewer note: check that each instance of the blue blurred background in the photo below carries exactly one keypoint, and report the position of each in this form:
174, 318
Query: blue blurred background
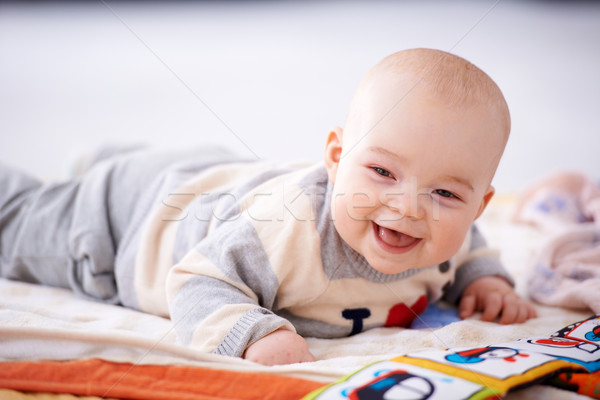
269, 78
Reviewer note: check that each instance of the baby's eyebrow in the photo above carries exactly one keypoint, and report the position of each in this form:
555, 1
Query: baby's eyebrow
385, 152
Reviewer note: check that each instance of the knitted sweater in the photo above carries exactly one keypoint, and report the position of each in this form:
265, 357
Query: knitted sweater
249, 248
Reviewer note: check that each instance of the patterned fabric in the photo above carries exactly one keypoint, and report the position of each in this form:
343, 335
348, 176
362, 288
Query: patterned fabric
569, 359
566, 207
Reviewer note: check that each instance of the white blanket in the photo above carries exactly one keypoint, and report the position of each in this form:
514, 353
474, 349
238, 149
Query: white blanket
41, 323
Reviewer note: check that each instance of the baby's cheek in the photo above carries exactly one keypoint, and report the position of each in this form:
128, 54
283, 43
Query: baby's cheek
358, 206
342, 222
349, 209
449, 239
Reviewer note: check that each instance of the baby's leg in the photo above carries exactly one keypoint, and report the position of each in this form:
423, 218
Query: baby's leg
67, 234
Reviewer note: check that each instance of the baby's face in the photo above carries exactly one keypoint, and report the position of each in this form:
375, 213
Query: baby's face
408, 186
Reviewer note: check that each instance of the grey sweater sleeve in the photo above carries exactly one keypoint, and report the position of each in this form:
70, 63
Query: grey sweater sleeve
476, 267
222, 293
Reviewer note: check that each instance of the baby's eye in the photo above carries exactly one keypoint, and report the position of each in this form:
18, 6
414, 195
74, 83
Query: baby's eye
445, 193
382, 172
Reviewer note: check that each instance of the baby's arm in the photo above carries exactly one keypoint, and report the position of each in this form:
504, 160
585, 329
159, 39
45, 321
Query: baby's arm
221, 296
495, 297
279, 347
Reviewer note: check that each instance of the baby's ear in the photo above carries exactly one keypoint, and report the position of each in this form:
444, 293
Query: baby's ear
486, 199
333, 151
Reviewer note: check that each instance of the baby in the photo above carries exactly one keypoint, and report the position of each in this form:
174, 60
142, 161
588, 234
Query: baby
249, 257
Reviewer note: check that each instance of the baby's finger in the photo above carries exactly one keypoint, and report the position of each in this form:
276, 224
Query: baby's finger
491, 307
510, 310
523, 313
466, 308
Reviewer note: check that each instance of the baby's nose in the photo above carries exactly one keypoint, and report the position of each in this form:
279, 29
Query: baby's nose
404, 204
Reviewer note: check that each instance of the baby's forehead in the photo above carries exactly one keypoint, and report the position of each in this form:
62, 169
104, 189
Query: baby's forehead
418, 120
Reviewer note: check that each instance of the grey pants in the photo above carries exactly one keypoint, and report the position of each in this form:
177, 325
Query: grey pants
67, 234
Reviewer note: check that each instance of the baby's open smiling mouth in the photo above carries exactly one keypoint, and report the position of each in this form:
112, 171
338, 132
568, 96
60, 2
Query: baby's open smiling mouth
394, 241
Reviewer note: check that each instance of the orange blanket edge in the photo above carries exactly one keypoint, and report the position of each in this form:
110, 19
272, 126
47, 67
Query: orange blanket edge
102, 378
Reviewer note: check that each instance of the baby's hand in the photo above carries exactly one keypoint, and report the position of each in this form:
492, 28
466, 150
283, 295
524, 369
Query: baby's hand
279, 347
495, 298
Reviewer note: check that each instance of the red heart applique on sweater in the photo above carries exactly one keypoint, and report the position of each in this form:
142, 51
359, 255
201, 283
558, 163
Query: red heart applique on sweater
402, 316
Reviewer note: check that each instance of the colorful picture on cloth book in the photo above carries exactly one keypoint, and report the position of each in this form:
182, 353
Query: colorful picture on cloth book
481, 372
585, 331
582, 353
396, 381
500, 362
